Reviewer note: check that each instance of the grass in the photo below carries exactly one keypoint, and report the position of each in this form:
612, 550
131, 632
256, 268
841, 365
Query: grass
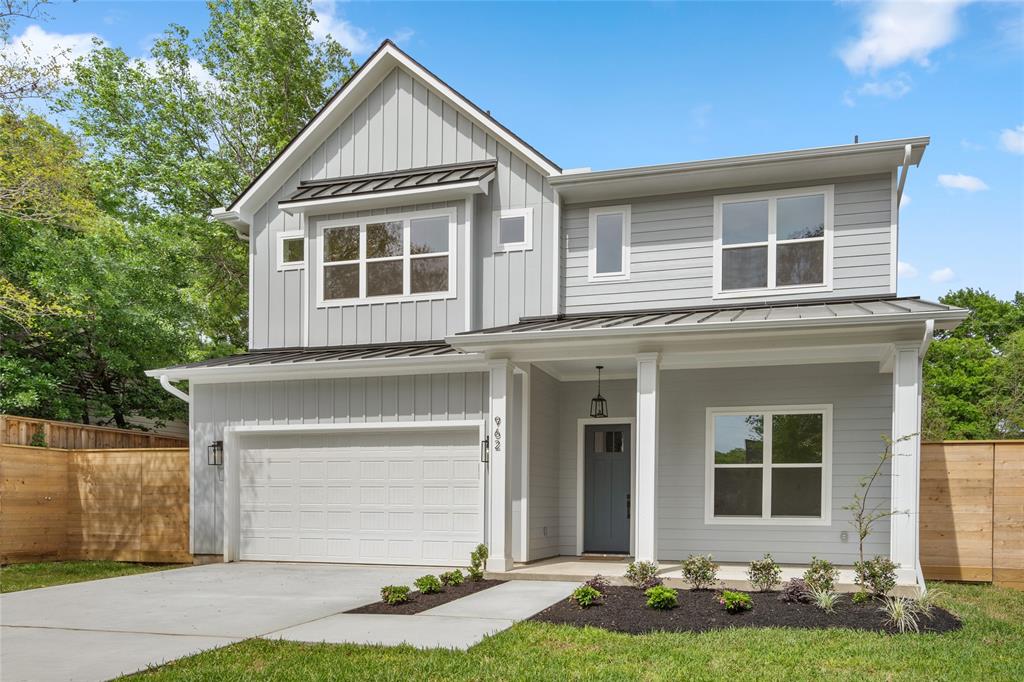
17, 577
989, 647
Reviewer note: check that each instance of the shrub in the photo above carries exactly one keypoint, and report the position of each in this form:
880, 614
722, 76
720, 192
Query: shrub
861, 597
477, 560
795, 591
452, 578
735, 602
662, 598
821, 575
925, 604
877, 575
599, 583
394, 594
900, 614
643, 575
764, 574
428, 584
585, 596
824, 599
700, 571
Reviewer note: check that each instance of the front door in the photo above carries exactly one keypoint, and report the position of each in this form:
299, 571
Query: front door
606, 488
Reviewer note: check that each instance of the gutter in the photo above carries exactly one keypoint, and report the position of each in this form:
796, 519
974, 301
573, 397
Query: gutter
904, 167
174, 390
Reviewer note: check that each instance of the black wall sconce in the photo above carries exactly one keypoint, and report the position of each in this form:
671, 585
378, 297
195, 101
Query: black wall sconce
215, 453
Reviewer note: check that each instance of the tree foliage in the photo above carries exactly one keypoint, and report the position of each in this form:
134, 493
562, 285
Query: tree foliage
24, 75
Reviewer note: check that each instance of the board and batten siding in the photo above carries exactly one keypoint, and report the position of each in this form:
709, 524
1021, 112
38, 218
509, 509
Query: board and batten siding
425, 397
671, 248
404, 124
545, 410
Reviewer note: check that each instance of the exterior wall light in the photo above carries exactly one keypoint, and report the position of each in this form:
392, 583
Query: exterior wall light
215, 453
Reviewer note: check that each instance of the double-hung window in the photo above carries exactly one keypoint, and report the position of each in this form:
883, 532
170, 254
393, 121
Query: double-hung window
608, 243
769, 465
773, 242
388, 258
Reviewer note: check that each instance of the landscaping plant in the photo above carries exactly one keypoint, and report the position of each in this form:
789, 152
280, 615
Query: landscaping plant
877, 575
452, 578
477, 560
662, 598
925, 604
428, 584
700, 571
599, 583
863, 516
824, 599
861, 597
585, 596
900, 614
821, 575
764, 574
735, 602
794, 591
643, 575
394, 594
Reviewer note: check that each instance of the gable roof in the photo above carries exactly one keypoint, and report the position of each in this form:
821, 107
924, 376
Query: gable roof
338, 107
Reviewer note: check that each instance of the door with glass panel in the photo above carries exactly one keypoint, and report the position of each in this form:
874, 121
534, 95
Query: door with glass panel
606, 489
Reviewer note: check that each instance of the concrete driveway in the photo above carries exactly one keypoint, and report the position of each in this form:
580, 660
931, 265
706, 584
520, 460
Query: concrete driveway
100, 629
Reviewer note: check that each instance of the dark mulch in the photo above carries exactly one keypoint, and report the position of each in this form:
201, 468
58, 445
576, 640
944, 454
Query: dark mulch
624, 609
421, 602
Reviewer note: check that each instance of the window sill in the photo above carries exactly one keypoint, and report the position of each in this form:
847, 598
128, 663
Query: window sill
512, 248
284, 267
760, 521
610, 277
344, 302
780, 291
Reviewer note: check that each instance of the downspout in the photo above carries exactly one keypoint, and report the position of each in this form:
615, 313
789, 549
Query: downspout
926, 341
174, 390
903, 174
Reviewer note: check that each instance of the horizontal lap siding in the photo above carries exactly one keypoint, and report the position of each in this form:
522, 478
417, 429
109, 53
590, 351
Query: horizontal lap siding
403, 124
671, 259
428, 397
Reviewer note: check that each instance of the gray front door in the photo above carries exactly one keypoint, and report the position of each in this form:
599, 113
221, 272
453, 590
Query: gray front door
606, 485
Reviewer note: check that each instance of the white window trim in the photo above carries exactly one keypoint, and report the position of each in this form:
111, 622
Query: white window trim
772, 289
294, 265
765, 519
527, 244
592, 274
361, 223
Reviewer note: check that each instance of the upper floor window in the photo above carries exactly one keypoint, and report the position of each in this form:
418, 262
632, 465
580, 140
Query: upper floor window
513, 229
291, 250
773, 242
379, 259
608, 246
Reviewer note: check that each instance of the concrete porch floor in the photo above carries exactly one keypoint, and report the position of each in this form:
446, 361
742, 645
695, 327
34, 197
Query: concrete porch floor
730, 575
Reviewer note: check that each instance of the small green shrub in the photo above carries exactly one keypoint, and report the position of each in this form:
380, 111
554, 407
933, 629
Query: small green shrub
599, 583
821, 575
900, 613
585, 596
700, 571
662, 598
877, 575
795, 591
38, 439
735, 602
764, 574
861, 597
452, 578
428, 584
824, 599
926, 603
477, 561
394, 594
643, 575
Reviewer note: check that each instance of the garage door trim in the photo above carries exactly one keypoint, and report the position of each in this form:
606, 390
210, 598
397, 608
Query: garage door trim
232, 468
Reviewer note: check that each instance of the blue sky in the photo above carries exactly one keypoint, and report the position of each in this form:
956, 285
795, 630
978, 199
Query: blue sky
608, 85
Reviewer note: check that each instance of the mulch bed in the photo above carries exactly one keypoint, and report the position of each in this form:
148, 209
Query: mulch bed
624, 609
421, 602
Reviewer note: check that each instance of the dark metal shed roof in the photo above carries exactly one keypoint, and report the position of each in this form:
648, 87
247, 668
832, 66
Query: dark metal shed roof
413, 178
291, 356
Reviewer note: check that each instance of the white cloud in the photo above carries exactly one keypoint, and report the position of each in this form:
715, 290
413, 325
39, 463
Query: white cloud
893, 88
905, 269
195, 69
403, 35
942, 275
328, 23
38, 44
1012, 139
971, 146
894, 31
967, 183
905, 200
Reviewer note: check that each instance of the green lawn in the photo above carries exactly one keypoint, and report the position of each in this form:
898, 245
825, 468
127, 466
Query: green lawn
990, 647
18, 577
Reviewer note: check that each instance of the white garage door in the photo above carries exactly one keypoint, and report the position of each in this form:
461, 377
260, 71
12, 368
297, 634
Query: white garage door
398, 497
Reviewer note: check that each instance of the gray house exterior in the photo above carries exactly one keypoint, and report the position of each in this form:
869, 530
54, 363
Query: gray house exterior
430, 296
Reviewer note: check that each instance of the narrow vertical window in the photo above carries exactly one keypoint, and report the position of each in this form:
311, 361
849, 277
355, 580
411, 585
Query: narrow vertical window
609, 243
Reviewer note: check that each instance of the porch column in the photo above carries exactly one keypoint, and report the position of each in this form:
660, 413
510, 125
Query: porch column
500, 511
906, 461
645, 505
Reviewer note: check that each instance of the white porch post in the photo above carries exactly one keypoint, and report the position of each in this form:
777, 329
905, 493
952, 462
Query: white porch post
500, 512
906, 461
645, 496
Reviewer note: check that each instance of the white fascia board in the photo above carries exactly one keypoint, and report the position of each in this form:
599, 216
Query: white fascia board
457, 190
326, 369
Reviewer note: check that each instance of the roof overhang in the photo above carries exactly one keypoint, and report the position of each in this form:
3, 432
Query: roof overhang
740, 171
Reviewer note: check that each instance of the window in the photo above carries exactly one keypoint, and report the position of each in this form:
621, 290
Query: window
291, 250
513, 229
773, 242
609, 243
769, 465
386, 258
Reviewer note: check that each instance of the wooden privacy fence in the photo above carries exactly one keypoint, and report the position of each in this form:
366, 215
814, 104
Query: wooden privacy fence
122, 505
69, 435
972, 511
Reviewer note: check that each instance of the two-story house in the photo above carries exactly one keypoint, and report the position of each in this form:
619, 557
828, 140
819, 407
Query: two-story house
431, 299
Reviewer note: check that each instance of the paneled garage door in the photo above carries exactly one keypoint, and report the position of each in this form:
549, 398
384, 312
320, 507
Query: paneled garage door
398, 497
